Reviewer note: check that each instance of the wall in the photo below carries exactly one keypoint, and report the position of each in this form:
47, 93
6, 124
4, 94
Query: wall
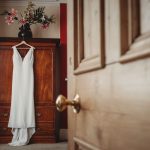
63, 59
51, 8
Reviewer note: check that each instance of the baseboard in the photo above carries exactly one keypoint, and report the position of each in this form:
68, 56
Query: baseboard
63, 134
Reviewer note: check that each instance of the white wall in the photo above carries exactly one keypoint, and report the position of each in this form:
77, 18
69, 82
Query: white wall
12, 30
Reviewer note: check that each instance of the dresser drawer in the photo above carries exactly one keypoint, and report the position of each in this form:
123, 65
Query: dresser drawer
43, 114
4, 130
4, 114
41, 129
45, 129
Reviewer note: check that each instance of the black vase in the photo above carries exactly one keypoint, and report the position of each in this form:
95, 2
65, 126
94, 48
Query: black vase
25, 32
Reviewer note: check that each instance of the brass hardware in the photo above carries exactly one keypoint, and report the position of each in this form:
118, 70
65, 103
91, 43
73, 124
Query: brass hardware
38, 114
4, 129
5, 114
38, 129
62, 103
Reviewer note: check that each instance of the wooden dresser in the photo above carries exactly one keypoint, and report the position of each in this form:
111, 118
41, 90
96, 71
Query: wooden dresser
45, 73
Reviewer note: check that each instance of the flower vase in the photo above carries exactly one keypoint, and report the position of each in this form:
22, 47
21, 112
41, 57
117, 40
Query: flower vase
25, 32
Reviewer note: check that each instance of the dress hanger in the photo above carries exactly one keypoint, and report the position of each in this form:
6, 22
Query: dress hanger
25, 43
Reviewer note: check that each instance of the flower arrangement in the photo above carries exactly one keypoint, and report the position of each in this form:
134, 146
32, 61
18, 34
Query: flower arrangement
30, 16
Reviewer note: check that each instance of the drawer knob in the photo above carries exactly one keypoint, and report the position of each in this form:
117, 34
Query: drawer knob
38, 114
4, 129
5, 114
38, 129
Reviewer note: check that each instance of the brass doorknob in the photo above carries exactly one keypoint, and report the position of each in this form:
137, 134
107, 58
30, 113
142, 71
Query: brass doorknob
62, 103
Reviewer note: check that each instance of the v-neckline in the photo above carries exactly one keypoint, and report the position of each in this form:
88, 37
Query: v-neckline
22, 59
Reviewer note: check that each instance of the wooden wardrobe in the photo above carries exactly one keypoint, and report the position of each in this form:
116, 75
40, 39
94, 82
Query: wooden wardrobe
45, 89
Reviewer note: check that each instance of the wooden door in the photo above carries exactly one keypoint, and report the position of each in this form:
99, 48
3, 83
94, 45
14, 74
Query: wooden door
109, 67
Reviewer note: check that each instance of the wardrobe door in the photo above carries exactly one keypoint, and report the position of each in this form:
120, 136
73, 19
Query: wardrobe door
44, 92
5, 91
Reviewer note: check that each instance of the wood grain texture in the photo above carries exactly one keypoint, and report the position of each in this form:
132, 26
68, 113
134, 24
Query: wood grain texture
89, 37
5, 75
114, 100
129, 23
134, 42
43, 74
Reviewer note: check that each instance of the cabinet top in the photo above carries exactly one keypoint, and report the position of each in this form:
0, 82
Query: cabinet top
46, 42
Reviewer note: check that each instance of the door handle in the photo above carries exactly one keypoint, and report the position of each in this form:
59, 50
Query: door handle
62, 102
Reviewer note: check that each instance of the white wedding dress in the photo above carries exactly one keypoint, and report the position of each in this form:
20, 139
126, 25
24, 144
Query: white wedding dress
22, 113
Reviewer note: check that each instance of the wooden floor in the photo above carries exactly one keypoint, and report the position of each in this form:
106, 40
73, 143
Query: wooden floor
58, 146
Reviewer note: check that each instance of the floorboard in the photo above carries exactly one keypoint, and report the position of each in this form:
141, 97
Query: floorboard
57, 146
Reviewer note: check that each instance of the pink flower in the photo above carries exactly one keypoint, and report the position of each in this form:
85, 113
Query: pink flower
13, 12
9, 19
23, 21
45, 26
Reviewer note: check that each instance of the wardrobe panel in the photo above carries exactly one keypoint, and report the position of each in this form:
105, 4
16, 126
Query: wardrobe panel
5, 75
43, 75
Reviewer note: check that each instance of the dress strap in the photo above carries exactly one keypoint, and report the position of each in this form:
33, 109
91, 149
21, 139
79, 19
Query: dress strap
32, 48
14, 48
